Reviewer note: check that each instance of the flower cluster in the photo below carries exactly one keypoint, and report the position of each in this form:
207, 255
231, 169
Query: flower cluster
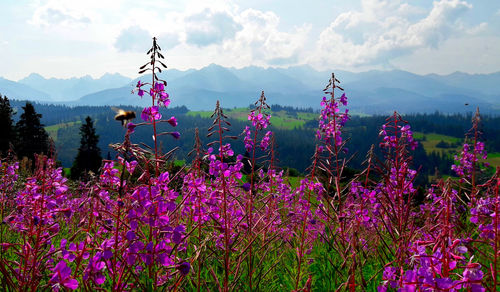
248, 139
331, 121
259, 121
394, 134
157, 92
264, 143
151, 113
468, 159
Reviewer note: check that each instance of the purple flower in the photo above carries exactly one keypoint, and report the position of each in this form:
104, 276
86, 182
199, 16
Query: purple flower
172, 121
131, 166
159, 86
177, 234
130, 235
131, 127
184, 268
150, 113
246, 186
248, 139
343, 99
264, 143
176, 135
62, 277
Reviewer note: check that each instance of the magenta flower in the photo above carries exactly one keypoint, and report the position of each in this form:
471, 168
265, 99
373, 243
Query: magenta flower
176, 135
131, 166
159, 86
131, 127
248, 139
264, 143
62, 277
151, 113
172, 121
343, 99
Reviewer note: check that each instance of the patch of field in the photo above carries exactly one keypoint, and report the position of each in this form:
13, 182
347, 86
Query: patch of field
431, 141
202, 114
494, 159
294, 180
52, 130
279, 119
307, 116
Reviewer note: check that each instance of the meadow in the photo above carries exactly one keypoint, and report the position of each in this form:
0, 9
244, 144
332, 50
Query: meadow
228, 222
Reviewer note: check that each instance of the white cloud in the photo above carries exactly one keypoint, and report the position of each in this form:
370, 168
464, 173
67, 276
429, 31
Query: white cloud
261, 41
483, 26
232, 37
54, 14
95, 36
210, 27
133, 39
383, 30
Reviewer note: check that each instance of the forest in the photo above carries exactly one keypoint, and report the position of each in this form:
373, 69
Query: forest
293, 151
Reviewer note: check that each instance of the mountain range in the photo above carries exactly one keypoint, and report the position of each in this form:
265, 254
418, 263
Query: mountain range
371, 92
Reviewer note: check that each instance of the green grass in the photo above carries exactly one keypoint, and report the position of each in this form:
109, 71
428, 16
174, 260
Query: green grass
52, 130
494, 159
67, 171
294, 181
430, 140
279, 119
201, 114
180, 162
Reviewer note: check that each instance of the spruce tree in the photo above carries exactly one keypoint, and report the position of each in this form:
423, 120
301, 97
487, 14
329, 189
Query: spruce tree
89, 155
7, 133
32, 137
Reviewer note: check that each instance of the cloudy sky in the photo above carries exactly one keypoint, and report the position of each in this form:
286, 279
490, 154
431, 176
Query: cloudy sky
65, 38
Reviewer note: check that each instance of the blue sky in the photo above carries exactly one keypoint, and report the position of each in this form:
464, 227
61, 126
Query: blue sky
66, 38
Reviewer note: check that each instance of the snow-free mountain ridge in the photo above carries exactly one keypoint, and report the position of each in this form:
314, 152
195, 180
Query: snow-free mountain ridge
369, 92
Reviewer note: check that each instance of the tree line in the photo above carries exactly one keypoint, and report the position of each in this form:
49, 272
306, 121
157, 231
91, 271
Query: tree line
294, 148
27, 138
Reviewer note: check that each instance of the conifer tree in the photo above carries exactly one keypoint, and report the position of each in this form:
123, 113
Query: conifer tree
89, 155
7, 133
32, 137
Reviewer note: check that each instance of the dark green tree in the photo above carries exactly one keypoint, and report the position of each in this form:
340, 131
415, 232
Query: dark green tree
7, 133
31, 135
89, 155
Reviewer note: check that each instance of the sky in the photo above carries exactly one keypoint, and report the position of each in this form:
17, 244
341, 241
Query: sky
70, 38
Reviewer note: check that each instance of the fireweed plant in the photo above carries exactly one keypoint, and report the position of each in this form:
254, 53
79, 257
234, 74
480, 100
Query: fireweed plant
233, 222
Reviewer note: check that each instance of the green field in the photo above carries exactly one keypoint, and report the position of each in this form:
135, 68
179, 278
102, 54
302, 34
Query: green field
52, 130
279, 119
494, 159
430, 141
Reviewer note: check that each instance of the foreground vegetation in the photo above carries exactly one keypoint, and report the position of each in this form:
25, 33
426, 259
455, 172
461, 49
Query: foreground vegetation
232, 222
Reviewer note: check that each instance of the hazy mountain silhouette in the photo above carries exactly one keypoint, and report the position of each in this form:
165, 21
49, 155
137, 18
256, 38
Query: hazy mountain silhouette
74, 88
369, 92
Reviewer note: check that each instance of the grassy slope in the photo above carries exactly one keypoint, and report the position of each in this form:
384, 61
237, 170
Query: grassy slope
432, 139
52, 130
279, 119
